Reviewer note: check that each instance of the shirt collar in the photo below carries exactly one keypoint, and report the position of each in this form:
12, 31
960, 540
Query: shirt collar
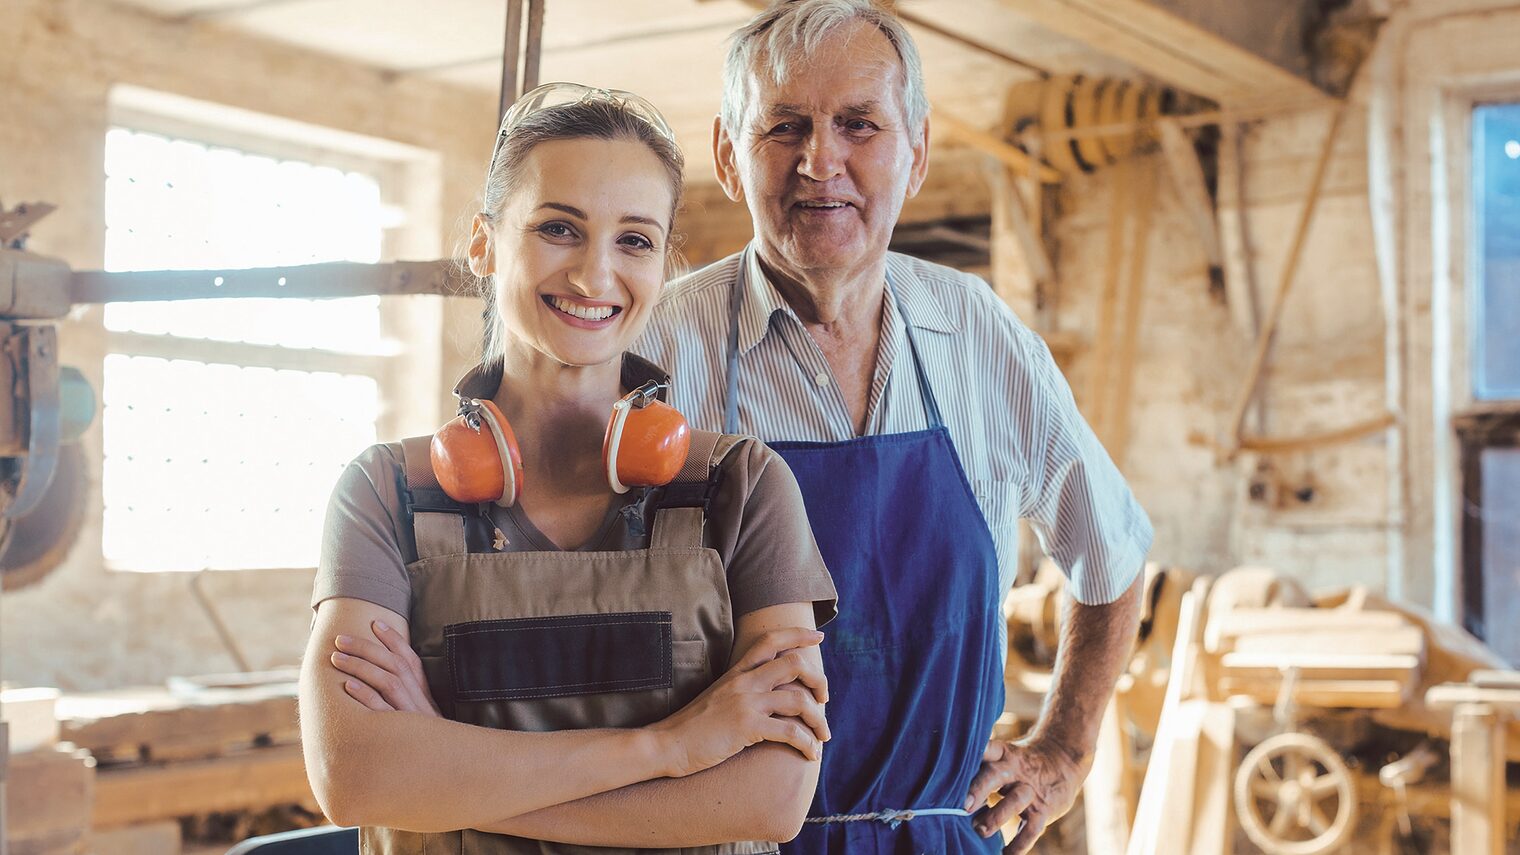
762, 300
483, 380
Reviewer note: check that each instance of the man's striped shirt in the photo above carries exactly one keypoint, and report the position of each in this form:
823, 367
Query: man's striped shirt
1026, 450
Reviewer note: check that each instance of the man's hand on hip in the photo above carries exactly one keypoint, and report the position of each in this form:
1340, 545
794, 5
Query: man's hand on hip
1037, 780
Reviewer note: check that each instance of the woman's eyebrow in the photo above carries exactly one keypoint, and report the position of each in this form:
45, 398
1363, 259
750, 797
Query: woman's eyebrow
639, 218
572, 211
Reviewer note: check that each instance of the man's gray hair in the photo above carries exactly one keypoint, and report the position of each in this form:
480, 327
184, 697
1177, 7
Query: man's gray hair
790, 32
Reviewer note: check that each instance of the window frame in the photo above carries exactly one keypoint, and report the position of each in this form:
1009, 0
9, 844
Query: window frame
409, 379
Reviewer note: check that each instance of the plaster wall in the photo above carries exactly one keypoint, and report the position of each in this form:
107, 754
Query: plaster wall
86, 627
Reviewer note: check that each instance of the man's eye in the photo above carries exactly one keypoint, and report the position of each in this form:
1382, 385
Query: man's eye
859, 125
784, 129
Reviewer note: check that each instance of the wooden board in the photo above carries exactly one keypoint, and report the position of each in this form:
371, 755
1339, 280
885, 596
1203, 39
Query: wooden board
1477, 781
1169, 47
1329, 694
49, 795
155, 838
1406, 640
1452, 694
152, 723
255, 779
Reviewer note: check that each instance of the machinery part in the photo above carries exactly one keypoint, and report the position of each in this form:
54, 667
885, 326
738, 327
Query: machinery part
34, 544
1295, 796
45, 428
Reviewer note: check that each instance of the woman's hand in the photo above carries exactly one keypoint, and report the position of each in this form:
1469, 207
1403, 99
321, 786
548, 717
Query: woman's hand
775, 692
387, 675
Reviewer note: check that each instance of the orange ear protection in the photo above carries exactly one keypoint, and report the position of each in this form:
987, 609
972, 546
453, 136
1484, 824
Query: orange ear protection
476, 459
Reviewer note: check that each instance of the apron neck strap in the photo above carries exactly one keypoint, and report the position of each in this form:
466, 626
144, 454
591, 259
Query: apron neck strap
731, 381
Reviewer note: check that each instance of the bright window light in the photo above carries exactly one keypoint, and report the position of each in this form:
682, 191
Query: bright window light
213, 460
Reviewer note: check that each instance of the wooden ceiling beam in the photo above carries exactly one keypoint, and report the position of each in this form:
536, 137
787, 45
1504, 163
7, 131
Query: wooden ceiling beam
1170, 48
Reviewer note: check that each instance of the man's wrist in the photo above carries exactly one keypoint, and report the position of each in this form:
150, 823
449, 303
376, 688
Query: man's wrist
1070, 748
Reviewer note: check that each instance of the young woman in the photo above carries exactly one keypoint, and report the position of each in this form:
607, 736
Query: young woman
612, 645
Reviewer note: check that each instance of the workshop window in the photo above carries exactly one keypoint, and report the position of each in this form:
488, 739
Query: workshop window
227, 422
1489, 432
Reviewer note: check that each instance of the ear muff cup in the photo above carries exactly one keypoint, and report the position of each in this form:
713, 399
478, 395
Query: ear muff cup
476, 459
475, 456
644, 446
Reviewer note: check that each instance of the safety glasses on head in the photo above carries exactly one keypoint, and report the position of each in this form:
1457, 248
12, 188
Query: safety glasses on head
552, 95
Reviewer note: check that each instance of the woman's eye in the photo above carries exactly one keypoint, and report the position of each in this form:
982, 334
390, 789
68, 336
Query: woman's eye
557, 230
638, 242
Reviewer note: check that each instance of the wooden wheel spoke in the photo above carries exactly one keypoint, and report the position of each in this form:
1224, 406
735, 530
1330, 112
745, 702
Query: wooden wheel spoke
1281, 821
1265, 790
1268, 771
1324, 785
1318, 822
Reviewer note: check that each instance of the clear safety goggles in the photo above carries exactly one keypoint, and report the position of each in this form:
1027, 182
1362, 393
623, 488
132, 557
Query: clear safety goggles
552, 95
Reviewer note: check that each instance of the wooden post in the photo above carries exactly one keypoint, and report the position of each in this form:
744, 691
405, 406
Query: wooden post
1477, 780
1108, 795
1019, 262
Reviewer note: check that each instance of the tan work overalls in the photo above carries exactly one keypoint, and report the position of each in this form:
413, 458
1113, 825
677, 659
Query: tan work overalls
541, 641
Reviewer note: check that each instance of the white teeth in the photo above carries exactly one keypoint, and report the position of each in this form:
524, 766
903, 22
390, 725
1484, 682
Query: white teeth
590, 313
823, 204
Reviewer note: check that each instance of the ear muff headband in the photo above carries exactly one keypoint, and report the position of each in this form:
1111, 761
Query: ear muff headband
614, 442
509, 486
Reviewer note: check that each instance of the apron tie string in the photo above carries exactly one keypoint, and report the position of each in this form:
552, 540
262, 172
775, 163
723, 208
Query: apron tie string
892, 818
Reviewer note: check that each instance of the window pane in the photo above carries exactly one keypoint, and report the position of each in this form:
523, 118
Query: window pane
1496, 327
223, 466
180, 205
1501, 550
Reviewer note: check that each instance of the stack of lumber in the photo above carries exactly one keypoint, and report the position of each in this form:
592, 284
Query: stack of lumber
49, 786
192, 747
1340, 658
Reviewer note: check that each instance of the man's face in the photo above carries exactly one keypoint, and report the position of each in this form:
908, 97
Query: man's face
826, 158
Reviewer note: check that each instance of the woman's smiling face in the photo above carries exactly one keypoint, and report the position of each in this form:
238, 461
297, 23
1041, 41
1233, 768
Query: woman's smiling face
579, 249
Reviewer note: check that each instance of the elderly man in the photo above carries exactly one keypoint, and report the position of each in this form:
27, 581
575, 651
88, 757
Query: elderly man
922, 420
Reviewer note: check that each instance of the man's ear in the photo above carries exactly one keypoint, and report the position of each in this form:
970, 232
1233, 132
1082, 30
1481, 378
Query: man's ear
920, 168
482, 249
724, 163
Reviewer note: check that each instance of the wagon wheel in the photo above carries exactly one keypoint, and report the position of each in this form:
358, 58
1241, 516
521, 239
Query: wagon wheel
1295, 796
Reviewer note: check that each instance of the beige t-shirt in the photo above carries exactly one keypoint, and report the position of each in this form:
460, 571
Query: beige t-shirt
756, 523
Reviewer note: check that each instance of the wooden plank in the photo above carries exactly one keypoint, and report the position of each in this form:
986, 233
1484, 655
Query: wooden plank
1134, 300
1232, 213
1095, 404
1226, 626
1167, 46
1108, 794
157, 838
1404, 639
1491, 679
153, 722
256, 779
1010, 218
48, 798
1211, 818
1456, 694
1335, 694
1477, 781
1325, 661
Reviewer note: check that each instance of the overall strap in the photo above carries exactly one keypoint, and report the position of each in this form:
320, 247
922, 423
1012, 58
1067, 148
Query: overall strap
440, 525
682, 507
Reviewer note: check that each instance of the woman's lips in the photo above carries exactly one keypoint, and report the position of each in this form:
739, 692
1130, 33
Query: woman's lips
586, 316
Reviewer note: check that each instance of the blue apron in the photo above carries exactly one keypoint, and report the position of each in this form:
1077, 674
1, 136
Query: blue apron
915, 674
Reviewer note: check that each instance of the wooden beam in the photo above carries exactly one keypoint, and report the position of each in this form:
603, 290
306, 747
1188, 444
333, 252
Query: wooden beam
1287, 277
1169, 47
310, 281
260, 778
1193, 192
1477, 780
986, 143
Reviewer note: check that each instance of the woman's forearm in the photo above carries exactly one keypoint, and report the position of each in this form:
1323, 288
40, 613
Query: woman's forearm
762, 793
419, 773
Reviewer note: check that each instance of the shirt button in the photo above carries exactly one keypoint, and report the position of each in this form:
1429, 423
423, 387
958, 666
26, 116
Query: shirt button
821, 378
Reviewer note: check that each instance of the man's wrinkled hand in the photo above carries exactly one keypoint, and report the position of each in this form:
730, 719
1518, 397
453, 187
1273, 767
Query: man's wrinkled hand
1036, 780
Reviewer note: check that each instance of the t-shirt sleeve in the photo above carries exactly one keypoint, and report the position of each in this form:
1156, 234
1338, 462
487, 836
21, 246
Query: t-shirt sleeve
762, 534
1078, 503
361, 556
